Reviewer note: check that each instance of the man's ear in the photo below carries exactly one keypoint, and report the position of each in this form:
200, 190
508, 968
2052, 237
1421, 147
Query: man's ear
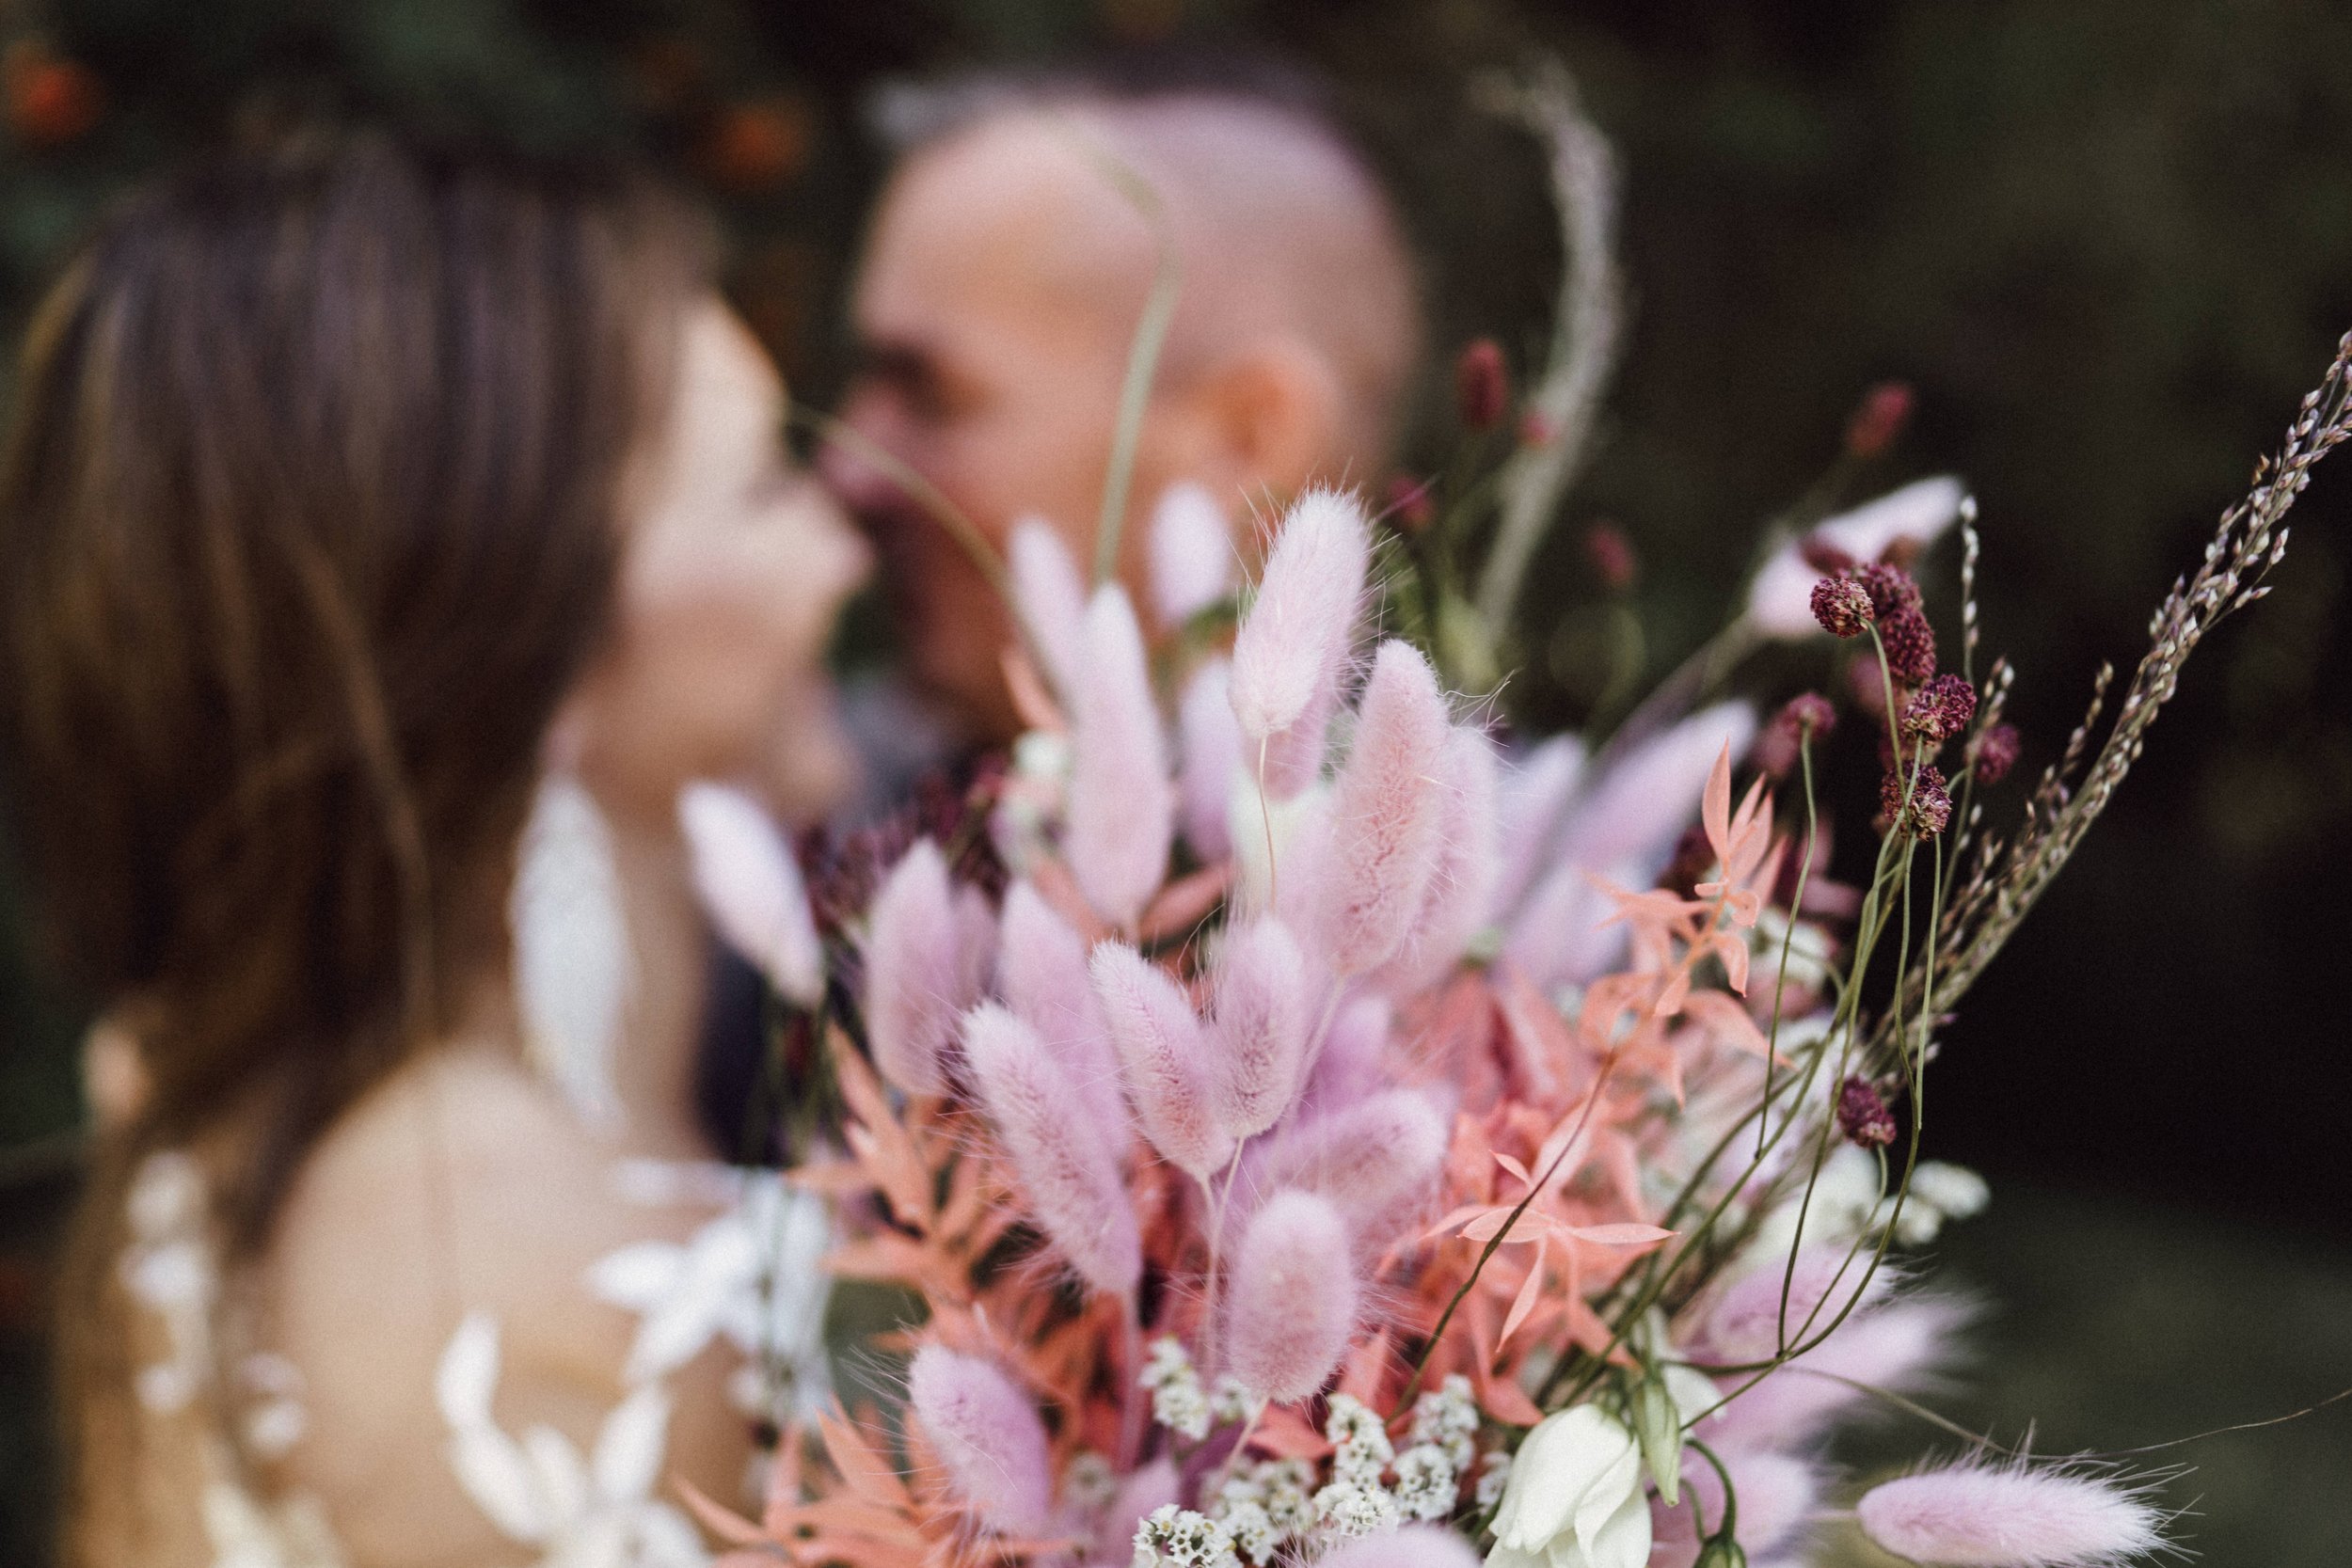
1268, 421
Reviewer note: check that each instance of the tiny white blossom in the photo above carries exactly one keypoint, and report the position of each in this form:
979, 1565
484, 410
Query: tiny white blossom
1252, 1529
1176, 1537
1178, 1400
1231, 1402
1448, 1416
1493, 1476
1288, 1491
1090, 1483
1349, 1509
1359, 1441
1426, 1481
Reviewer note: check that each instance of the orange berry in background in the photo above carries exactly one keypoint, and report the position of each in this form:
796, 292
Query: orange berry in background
758, 146
51, 100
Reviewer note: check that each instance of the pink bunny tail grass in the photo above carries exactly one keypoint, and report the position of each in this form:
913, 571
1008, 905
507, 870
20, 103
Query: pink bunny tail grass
1776, 1495
1145, 1490
1901, 1347
1353, 1061
918, 971
1294, 643
1042, 973
1747, 1320
1629, 818
1531, 801
987, 1436
1414, 1546
749, 886
1265, 1006
1561, 932
1293, 1301
1386, 814
1211, 761
1123, 809
1163, 1057
2011, 1517
1066, 1154
1375, 1160
1052, 599
1192, 554
1461, 886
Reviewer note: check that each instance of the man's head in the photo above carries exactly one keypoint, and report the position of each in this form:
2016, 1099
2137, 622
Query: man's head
999, 297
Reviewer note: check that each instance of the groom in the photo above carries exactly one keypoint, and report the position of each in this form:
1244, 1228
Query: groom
1004, 276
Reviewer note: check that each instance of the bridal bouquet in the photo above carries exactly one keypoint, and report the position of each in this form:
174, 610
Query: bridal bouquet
1320, 1131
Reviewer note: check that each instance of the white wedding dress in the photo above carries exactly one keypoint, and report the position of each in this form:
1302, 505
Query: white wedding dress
754, 1275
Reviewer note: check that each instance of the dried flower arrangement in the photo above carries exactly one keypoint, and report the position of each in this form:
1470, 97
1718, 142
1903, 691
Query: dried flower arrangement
1342, 1136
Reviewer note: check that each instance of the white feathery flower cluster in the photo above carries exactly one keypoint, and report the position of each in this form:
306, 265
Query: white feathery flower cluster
1178, 1400
1356, 1503
1426, 1482
1176, 1537
1448, 1416
1228, 1401
1494, 1475
1266, 1506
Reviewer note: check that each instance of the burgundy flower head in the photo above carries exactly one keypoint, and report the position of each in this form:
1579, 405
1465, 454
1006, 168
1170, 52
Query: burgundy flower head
1910, 645
1842, 606
1996, 753
1482, 384
1863, 1116
1931, 809
1892, 590
1805, 717
1941, 709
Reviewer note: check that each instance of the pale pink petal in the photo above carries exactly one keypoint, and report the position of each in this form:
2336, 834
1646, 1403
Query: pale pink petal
751, 887
1386, 814
1192, 554
1052, 598
917, 971
1295, 642
1042, 973
1163, 1058
987, 1434
1294, 1299
1211, 761
1121, 805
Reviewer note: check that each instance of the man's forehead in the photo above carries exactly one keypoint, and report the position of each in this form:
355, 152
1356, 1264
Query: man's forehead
1005, 220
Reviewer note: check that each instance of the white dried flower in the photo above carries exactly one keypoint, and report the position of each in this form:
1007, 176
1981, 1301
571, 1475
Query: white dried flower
1287, 1488
1252, 1529
1178, 1400
1176, 1537
1232, 1402
1494, 1475
1090, 1484
1448, 1416
1359, 1441
1348, 1509
1426, 1481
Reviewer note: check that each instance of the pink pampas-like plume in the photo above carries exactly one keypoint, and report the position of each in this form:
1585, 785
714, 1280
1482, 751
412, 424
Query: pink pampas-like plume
987, 1436
1122, 807
1414, 1546
1294, 643
1776, 1495
1067, 1155
1042, 973
1163, 1057
1265, 1006
1899, 1347
1461, 887
1634, 814
1353, 1060
749, 886
1386, 814
919, 971
1052, 598
1531, 799
1192, 554
1293, 1303
1211, 760
2010, 1517
1373, 1160
1746, 1323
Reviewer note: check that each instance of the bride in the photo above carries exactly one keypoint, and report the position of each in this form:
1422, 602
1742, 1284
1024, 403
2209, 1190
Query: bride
391, 534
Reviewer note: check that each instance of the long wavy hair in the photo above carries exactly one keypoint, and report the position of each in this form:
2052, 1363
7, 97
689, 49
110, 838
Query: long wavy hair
310, 511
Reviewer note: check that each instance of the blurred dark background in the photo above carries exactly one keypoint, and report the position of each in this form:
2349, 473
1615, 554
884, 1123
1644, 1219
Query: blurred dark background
2108, 243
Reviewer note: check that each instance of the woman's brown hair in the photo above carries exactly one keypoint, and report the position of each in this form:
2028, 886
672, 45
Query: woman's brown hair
309, 517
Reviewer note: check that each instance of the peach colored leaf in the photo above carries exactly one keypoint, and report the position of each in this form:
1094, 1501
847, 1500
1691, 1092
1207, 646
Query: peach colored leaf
1727, 1020
1524, 1302
1511, 1165
724, 1523
885, 1256
1490, 1223
1715, 805
866, 1472
1619, 1235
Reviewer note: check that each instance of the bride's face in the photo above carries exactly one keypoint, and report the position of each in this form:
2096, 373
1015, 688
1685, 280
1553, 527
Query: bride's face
734, 568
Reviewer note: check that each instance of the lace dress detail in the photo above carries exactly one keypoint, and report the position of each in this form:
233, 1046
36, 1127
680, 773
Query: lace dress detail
753, 1275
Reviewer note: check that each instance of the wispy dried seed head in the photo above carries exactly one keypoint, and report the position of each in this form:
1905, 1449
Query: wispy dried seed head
1941, 709
1931, 809
1996, 753
1863, 1116
1842, 606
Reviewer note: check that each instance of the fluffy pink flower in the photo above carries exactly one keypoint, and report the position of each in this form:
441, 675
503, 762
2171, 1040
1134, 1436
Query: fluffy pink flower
1414, 1546
1211, 760
1775, 1492
1899, 1347
1052, 599
751, 887
1164, 1060
1780, 599
1152, 1487
1375, 1159
1747, 1319
1042, 973
1264, 1006
1530, 800
1293, 1302
1067, 1155
1982, 1516
986, 1435
1122, 807
1192, 554
1353, 1060
1294, 643
918, 971
1461, 887
1386, 814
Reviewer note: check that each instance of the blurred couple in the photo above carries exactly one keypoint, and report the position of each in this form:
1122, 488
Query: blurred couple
394, 533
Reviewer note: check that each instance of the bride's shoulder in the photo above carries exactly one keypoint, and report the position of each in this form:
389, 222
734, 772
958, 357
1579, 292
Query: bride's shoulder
462, 1189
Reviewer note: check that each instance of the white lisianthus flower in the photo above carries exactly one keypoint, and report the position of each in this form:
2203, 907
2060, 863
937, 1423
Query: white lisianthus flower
1574, 1500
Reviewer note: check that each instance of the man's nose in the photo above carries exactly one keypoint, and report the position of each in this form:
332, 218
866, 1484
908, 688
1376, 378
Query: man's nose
859, 460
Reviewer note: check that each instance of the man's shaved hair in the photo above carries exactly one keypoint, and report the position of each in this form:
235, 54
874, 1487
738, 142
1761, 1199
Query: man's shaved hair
1280, 222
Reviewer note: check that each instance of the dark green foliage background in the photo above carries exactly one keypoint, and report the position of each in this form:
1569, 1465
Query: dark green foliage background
2109, 242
